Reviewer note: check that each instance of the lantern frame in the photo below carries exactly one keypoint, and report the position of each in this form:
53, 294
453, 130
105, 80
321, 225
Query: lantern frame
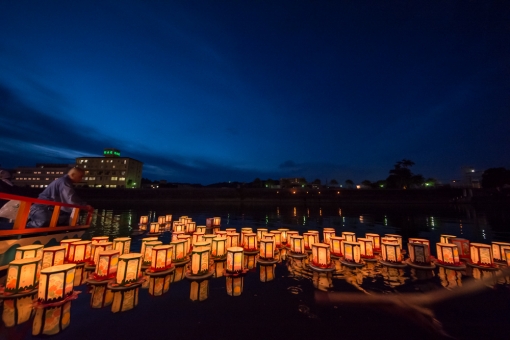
74, 247
365, 248
463, 245
200, 264
297, 246
261, 231
394, 249
29, 252
349, 236
95, 247
335, 243
498, 251
376, 241
233, 240
352, 254
15, 272
122, 244
250, 243
420, 240
56, 278
147, 255
398, 237
65, 243
327, 233
106, 270
319, 263
453, 253
445, 238
179, 254
163, 253
129, 271
218, 248
477, 258
235, 261
418, 251
99, 239
53, 256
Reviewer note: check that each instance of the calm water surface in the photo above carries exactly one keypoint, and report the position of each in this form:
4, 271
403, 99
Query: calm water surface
280, 301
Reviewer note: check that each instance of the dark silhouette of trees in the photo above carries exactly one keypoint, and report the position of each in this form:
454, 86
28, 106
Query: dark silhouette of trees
349, 183
333, 182
495, 178
401, 176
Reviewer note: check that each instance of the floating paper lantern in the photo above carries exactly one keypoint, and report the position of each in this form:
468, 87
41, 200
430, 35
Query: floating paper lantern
147, 256
29, 252
179, 251
66, 243
125, 300
216, 221
161, 258
443, 238
448, 254
178, 227
284, 235
352, 252
349, 236
53, 256
122, 244
208, 238
420, 240
97, 248
462, 246
159, 285
366, 248
144, 219
266, 249
290, 234
376, 241
250, 242
335, 243
498, 250
183, 219
199, 290
389, 240
321, 256
176, 235
202, 246
277, 237
327, 233
186, 238
222, 234
230, 230
398, 237
250, 261
168, 218
154, 228
481, 254
198, 237
507, 255
161, 220
201, 229
129, 268
260, 231
306, 239
267, 273
18, 310
199, 262
56, 283
99, 239
235, 259
419, 253
144, 241
23, 275
101, 296
51, 320
390, 251
218, 247
297, 245
270, 237
235, 285
191, 227
243, 232
106, 264
79, 252
232, 239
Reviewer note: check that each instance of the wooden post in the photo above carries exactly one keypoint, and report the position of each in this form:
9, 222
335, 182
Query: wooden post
74, 217
54, 216
22, 216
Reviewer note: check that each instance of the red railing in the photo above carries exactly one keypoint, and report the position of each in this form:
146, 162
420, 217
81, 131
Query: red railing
20, 222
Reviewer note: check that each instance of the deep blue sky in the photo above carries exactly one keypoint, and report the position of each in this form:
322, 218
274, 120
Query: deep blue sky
209, 91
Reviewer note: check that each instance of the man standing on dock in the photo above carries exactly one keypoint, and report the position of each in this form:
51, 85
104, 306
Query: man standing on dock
62, 191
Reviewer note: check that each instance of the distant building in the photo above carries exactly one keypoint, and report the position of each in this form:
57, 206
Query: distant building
39, 176
111, 170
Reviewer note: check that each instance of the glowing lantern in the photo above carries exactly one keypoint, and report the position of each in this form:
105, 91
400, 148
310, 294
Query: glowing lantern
267, 273
99, 239
202, 246
297, 244
366, 248
51, 320
352, 252
321, 256
101, 296
260, 231
306, 238
270, 237
56, 283
218, 247
53, 256
199, 291
191, 227
201, 229
349, 236
448, 254
419, 253
122, 244
168, 218
216, 221
235, 259
446, 238
398, 237
18, 310
336, 245
144, 241
183, 219
186, 238
125, 300
235, 285
376, 241
284, 235
199, 262
106, 264
161, 220
327, 233
389, 240
198, 237
243, 232
507, 255
154, 228
230, 230
462, 246
208, 239
179, 251
266, 249
498, 250
420, 240
97, 248
22, 275
161, 258
222, 234
178, 227
232, 240
129, 268
66, 243
390, 252
147, 256
158, 285
250, 242
29, 252
277, 238
79, 252
178, 274
290, 234
481, 254
144, 219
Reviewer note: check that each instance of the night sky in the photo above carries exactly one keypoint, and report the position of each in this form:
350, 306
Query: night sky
210, 91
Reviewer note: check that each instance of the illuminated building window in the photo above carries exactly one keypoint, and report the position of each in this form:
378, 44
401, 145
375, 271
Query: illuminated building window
53, 172
98, 186
114, 178
47, 178
122, 178
125, 161
113, 186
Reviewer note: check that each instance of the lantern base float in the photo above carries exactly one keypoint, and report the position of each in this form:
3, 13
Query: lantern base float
489, 268
192, 277
219, 258
372, 259
180, 263
420, 266
352, 264
160, 273
90, 267
116, 288
336, 257
229, 274
95, 282
262, 261
393, 264
322, 270
7, 295
72, 296
297, 255
153, 234
251, 252
451, 266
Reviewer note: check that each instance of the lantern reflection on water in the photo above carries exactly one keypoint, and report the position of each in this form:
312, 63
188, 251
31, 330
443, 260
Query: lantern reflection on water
235, 259
22, 275
232, 240
56, 283
267, 272
17, 310
53, 256
159, 285
147, 256
481, 255
235, 285
106, 264
51, 320
101, 296
96, 248
498, 251
219, 268
66, 243
250, 261
129, 268
218, 247
376, 241
322, 281
122, 244
199, 290
125, 300
29, 252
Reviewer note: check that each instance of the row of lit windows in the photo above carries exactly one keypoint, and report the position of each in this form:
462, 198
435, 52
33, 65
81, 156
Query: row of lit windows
103, 161
38, 186
33, 179
100, 178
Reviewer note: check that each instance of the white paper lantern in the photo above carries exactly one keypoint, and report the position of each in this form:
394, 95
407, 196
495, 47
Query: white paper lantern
321, 256
122, 244
53, 256
129, 268
481, 254
29, 252
56, 283
376, 241
447, 254
235, 259
22, 275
